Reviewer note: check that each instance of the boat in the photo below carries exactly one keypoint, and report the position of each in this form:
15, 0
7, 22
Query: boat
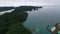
54, 29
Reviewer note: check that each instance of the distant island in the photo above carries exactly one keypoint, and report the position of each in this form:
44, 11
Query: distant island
6, 8
24, 8
12, 23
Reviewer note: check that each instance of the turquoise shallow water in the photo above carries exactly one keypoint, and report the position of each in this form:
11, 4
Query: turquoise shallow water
38, 21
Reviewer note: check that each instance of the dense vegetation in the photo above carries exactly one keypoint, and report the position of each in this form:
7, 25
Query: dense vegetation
12, 23
6, 8
24, 8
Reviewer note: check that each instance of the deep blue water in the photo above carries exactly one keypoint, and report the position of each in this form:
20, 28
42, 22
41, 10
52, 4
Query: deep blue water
38, 21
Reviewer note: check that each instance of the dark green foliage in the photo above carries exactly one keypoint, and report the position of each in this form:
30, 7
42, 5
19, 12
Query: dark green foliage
27, 8
20, 8
6, 8
9, 21
18, 29
12, 23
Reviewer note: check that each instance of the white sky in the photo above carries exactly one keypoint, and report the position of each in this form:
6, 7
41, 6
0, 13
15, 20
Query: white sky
28, 2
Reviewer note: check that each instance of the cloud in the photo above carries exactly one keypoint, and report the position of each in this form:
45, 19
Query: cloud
28, 2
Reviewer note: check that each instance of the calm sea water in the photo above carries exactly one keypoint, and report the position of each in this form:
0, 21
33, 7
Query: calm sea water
38, 21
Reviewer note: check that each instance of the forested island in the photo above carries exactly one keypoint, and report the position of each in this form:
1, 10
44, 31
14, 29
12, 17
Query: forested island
24, 8
12, 23
6, 8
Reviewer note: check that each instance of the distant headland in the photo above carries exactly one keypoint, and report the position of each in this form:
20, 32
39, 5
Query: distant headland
24, 8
